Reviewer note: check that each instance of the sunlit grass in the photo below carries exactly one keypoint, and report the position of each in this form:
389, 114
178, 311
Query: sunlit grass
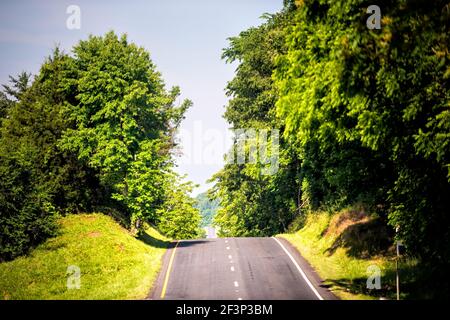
113, 263
345, 274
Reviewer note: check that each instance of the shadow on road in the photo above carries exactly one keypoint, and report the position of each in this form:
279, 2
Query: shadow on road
189, 243
149, 240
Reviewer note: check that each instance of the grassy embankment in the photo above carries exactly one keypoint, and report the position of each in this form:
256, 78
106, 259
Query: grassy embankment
113, 263
341, 247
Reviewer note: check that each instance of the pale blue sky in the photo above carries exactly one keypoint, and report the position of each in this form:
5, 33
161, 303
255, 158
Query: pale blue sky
185, 40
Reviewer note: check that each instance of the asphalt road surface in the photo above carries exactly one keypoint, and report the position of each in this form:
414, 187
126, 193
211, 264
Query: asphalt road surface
237, 269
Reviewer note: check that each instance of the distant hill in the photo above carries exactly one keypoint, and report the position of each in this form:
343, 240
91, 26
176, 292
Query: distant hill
207, 207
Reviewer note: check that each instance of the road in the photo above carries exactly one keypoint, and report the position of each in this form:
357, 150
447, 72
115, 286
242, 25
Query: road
237, 269
210, 232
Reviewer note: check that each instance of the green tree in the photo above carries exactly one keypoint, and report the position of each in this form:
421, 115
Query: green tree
369, 110
207, 207
93, 131
19, 85
123, 120
5, 104
364, 115
13, 92
254, 204
37, 179
178, 218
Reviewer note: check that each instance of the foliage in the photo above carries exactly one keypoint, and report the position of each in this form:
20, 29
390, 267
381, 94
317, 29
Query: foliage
251, 203
123, 120
18, 86
382, 96
36, 178
113, 264
207, 207
364, 115
343, 264
178, 217
93, 130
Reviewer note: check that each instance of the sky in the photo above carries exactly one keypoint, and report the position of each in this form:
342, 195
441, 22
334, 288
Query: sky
185, 40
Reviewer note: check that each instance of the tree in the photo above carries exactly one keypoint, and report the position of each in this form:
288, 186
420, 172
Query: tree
13, 92
19, 85
123, 120
375, 102
254, 204
94, 131
207, 207
37, 179
364, 115
177, 217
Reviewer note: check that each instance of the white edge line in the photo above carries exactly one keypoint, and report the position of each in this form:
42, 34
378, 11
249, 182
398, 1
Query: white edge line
299, 269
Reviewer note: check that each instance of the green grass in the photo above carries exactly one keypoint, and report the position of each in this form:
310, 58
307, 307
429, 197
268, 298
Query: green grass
342, 246
113, 263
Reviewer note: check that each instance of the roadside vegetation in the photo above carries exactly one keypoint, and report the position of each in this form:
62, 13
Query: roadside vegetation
364, 119
93, 131
114, 264
345, 246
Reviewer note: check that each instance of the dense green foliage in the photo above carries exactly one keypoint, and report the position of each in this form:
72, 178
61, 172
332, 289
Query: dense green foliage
36, 178
123, 121
93, 131
207, 207
178, 218
254, 204
381, 96
365, 117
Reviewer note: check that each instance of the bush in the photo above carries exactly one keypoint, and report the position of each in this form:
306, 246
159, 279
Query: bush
27, 216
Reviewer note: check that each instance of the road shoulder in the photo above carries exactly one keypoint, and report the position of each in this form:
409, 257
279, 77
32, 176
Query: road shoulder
155, 291
309, 271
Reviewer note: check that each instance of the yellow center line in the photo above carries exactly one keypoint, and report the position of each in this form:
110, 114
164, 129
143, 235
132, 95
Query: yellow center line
166, 280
